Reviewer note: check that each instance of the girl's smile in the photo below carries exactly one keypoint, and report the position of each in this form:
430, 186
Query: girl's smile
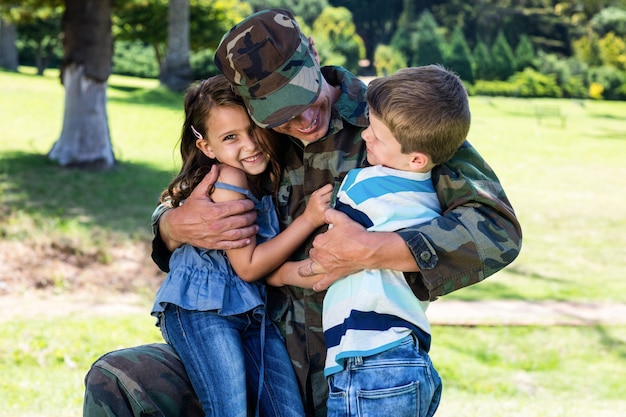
231, 140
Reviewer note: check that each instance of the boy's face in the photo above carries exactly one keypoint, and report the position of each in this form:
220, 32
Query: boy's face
382, 146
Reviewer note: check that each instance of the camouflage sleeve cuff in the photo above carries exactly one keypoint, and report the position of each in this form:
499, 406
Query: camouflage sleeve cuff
423, 252
156, 216
160, 253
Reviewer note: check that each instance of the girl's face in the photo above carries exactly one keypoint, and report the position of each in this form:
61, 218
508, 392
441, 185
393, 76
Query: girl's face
230, 140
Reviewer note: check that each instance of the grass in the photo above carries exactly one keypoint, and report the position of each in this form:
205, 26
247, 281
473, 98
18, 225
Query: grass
531, 371
48, 202
44, 362
565, 185
564, 182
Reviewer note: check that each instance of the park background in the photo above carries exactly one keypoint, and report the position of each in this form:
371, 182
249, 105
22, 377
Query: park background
76, 279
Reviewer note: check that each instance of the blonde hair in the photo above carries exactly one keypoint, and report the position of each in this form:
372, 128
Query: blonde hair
425, 108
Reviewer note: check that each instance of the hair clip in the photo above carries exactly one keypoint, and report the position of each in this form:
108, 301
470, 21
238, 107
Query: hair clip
196, 133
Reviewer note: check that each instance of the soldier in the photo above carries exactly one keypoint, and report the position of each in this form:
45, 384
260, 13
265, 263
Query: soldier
321, 113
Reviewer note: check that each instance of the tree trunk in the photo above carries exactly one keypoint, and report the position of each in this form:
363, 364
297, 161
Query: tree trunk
176, 70
8, 49
85, 141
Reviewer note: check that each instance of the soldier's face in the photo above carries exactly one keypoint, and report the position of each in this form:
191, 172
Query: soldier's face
313, 123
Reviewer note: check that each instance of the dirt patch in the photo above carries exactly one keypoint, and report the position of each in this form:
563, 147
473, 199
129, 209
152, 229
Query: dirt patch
57, 280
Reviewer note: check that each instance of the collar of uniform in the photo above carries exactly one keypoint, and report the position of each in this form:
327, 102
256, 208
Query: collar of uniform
351, 106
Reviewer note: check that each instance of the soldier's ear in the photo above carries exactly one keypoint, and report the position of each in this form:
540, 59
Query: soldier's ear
313, 50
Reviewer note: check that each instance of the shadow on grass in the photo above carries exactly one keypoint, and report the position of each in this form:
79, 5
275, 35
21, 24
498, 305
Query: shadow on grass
499, 288
611, 342
120, 200
159, 96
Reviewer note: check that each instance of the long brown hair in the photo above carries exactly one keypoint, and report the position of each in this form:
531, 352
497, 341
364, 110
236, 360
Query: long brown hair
200, 99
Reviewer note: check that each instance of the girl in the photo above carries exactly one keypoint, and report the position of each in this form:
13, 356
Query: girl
211, 306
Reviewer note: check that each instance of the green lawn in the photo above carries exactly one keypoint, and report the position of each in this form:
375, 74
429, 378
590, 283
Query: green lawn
566, 184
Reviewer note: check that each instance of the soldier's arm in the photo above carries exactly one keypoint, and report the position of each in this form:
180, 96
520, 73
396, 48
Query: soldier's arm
202, 223
477, 235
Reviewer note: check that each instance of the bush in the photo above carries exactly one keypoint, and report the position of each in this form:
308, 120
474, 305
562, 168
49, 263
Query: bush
136, 59
571, 74
493, 88
202, 64
611, 79
531, 83
387, 60
528, 83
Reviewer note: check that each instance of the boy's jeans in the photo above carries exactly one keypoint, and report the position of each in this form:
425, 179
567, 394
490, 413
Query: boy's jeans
398, 382
222, 356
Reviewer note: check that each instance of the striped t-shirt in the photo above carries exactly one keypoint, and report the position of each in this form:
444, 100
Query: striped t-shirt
373, 310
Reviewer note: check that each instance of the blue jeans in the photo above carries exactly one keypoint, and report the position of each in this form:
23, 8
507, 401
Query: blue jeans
399, 382
223, 356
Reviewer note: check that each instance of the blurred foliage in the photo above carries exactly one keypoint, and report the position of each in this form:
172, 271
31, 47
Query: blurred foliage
488, 40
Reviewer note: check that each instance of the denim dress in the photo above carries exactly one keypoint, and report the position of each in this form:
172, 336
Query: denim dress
204, 280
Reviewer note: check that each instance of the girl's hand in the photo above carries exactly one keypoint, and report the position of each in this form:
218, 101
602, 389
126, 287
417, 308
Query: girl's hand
290, 273
318, 203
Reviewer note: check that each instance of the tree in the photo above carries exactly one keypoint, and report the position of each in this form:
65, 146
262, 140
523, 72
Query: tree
524, 53
483, 62
336, 39
40, 40
34, 26
459, 57
611, 19
401, 39
88, 45
307, 10
8, 50
427, 41
613, 51
503, 58
587, 49
375, 20
141, 22
176, 70
387, 60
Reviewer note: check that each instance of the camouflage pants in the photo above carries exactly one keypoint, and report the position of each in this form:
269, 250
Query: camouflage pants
147, 380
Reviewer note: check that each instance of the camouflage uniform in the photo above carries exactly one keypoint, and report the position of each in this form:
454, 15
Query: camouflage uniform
477, 236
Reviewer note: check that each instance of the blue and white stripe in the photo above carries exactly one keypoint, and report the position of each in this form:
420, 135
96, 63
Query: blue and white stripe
373, 310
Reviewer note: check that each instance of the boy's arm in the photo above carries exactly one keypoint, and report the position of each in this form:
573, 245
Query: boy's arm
477, 235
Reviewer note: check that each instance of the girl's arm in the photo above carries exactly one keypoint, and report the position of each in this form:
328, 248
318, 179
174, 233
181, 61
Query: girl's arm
255, 261
289, 274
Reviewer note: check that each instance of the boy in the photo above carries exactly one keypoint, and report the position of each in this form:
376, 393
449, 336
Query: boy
376, 331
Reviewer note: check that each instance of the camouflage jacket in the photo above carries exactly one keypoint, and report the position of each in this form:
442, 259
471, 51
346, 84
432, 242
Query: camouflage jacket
477, 235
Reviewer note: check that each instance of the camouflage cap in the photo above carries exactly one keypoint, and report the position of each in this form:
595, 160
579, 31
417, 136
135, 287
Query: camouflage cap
271, 65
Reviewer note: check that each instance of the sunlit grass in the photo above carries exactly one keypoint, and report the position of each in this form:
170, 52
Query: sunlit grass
564, 182
531, 371
44, 362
